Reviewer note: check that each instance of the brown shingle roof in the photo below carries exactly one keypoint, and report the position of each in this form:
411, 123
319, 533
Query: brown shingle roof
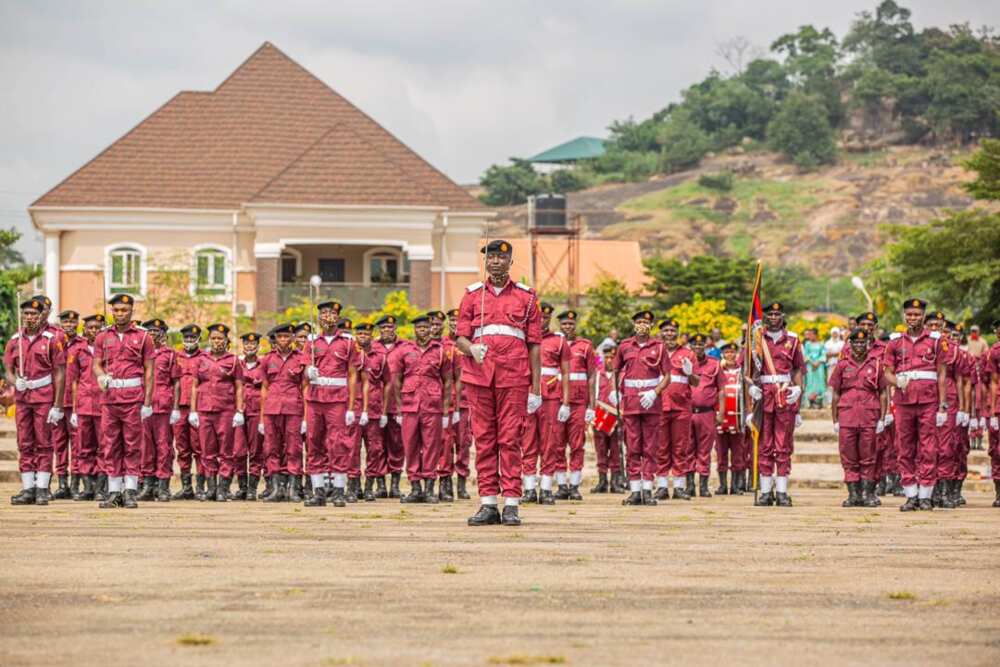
271, 132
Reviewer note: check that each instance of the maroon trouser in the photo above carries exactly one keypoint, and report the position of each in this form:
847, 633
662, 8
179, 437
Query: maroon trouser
62, 435
498, 422
776, 442
916, 443
948, 447
283, 444
885, 452
86, 444
531, 444
157, 450
187, 443
576, 437
609, 456
703, 436
553, 435
857, 453
328, 442
215, 433
457, 441
422, 442
34, 437
248, 447
392, 445
964, 445
122, 439
375, 464
675, 450
730, 450
642, 437
354, 437
994, 452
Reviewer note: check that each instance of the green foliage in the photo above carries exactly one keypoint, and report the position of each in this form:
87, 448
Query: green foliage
703, 315
811, 57
507, 186
986, 163
802, 132
13, 274
567, 180
722, 181
673, 282
683, 142
397, 304
610, 305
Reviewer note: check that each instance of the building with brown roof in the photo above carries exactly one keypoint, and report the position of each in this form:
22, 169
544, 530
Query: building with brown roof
252, 188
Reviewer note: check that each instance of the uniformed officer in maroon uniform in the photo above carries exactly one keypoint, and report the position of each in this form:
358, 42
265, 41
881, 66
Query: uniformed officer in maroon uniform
85, 400
123, 366
945, 494
372, 418
331, 393
782, 388
282, 406
552, 417
186, 441
421, 378
455, 457
730, 453
63, 432
704, 401
676, 451
582, 370
157, 438
217, 410
460, 417
914, 364
859, 406
532, 438
35, 363
992, 369
390, 344
610, 475
499, 331
248, 441
885, 447
638, 362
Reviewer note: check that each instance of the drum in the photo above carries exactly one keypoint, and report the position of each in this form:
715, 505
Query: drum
731, 410
605, 417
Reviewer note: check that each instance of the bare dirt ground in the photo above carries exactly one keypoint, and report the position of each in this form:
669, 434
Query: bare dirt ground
713, 581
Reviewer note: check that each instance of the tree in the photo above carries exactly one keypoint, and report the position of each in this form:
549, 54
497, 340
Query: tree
801, 131
986, 163
811, 57
673, 282
610, 305
567, 180
737, 52
703, 315
684, 142
13, 275
508, 186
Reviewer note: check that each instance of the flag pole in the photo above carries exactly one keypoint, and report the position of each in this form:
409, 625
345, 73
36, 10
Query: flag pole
749, 368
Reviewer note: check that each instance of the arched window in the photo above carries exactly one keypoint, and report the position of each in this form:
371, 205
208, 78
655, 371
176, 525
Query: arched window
210, 274
385, 266
125, 269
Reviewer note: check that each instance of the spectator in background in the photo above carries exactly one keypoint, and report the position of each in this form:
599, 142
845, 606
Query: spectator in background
815, 354
977, 347
610, 341
834, 346
714, 348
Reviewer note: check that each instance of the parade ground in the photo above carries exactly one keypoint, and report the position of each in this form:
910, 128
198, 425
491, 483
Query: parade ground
713, 581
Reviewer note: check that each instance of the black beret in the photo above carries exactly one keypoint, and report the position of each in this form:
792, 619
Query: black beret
669, 322
191, 330
423, 317
453, 312
127, 299
643, 315
364, 326
68, 315
385, 319
546, 308
867, 317
567, 315
251, 337
94, 318
915, 303
774, 307
698, 338
288, 328
335, 305
220, 328
858, 334
345, 323
33, 303
497, 246
154, 323
44, 299
435, 314
303, 326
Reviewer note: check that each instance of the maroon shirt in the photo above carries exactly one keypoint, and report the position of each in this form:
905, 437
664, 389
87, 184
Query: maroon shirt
992, 370
786, 352
638, 363
554, 351
712, 381
166, 371
513, 311
80, 369
582, 364
677, 395
253, 378
217, 377
333, 358
953, 364
923, 354
123, 356
423, 371
284, 379
188, 363
392, 352
42, 354
859, 385
68, 387
377, 372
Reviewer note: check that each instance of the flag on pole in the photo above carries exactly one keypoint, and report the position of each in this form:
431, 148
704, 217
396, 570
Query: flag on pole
751, 369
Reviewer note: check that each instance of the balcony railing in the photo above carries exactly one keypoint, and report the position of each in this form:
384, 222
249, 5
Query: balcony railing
363, 297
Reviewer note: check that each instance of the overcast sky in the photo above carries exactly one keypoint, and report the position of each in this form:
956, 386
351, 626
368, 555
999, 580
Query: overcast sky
466, 84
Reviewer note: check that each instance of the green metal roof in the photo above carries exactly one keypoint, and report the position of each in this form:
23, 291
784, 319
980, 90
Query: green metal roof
580, 148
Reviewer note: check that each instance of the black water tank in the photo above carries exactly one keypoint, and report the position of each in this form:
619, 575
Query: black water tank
550, 211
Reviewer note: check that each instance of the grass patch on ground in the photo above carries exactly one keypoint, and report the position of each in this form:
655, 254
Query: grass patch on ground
520, 659
449, 569
901, 595
195, 640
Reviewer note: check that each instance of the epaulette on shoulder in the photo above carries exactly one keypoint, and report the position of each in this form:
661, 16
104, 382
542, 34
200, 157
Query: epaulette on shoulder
474, 286
48, 334
344, 334
792, 334
895, 335
523, 286
935, 335
16, 336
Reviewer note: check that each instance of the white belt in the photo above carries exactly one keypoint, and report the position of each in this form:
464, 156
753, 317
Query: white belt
642, 384
329, 382
918, 375
127, 383
550, 370
498, 330
578, 377
38, 383
678, 379
775, 379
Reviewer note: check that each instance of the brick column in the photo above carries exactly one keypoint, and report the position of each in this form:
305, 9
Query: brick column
267, 284
420, 283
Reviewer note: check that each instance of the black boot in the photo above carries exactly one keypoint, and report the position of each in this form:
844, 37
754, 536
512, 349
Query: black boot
574, 492
416, 494
602, 483
948, 494
618, 482
338, 498
662, 493
881, 486
380, 491
199, 491
269, 482
211, 488
996, 489
358, 493
936, 494
562, 493
148, 489
318, 498
853, 499
430, 496
130, 499
723, 490
897, 485
634, 498
764, 500
703, 487
101, 491
241, 490
42, 496
294, 489
681, 493
394, 491
163, 490
739, 488
222, 492
545, 498
350, 493
114, 499
782, 499
488, 515
75, 481
251, 488
87, 493
868, 497
911, 505
925, 504
186, 492
531, 496
959, 498
689, 487
446, 495
369, 494
277, 494
63, 492
510, 516
463, 494
647, 497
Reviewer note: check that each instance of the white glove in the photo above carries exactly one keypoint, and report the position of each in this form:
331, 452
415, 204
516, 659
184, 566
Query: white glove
239, 420
445, 420
363, 419
755, 392
260, 428
687, 366
836, 427
647, 398
589, 416
349, 418
534, 402
383, 420
961, 418
478, 351
941, 419
888, 419
312, 372
145, 412
55, 415
302, 429
879, 426
175, 416
73, 421
995, 423
973, 424
794, 394
902, 381
398, 419
563, 415
613, 397
798, 421
21, 384
748, 420
103, 380
193, 419
456, 417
